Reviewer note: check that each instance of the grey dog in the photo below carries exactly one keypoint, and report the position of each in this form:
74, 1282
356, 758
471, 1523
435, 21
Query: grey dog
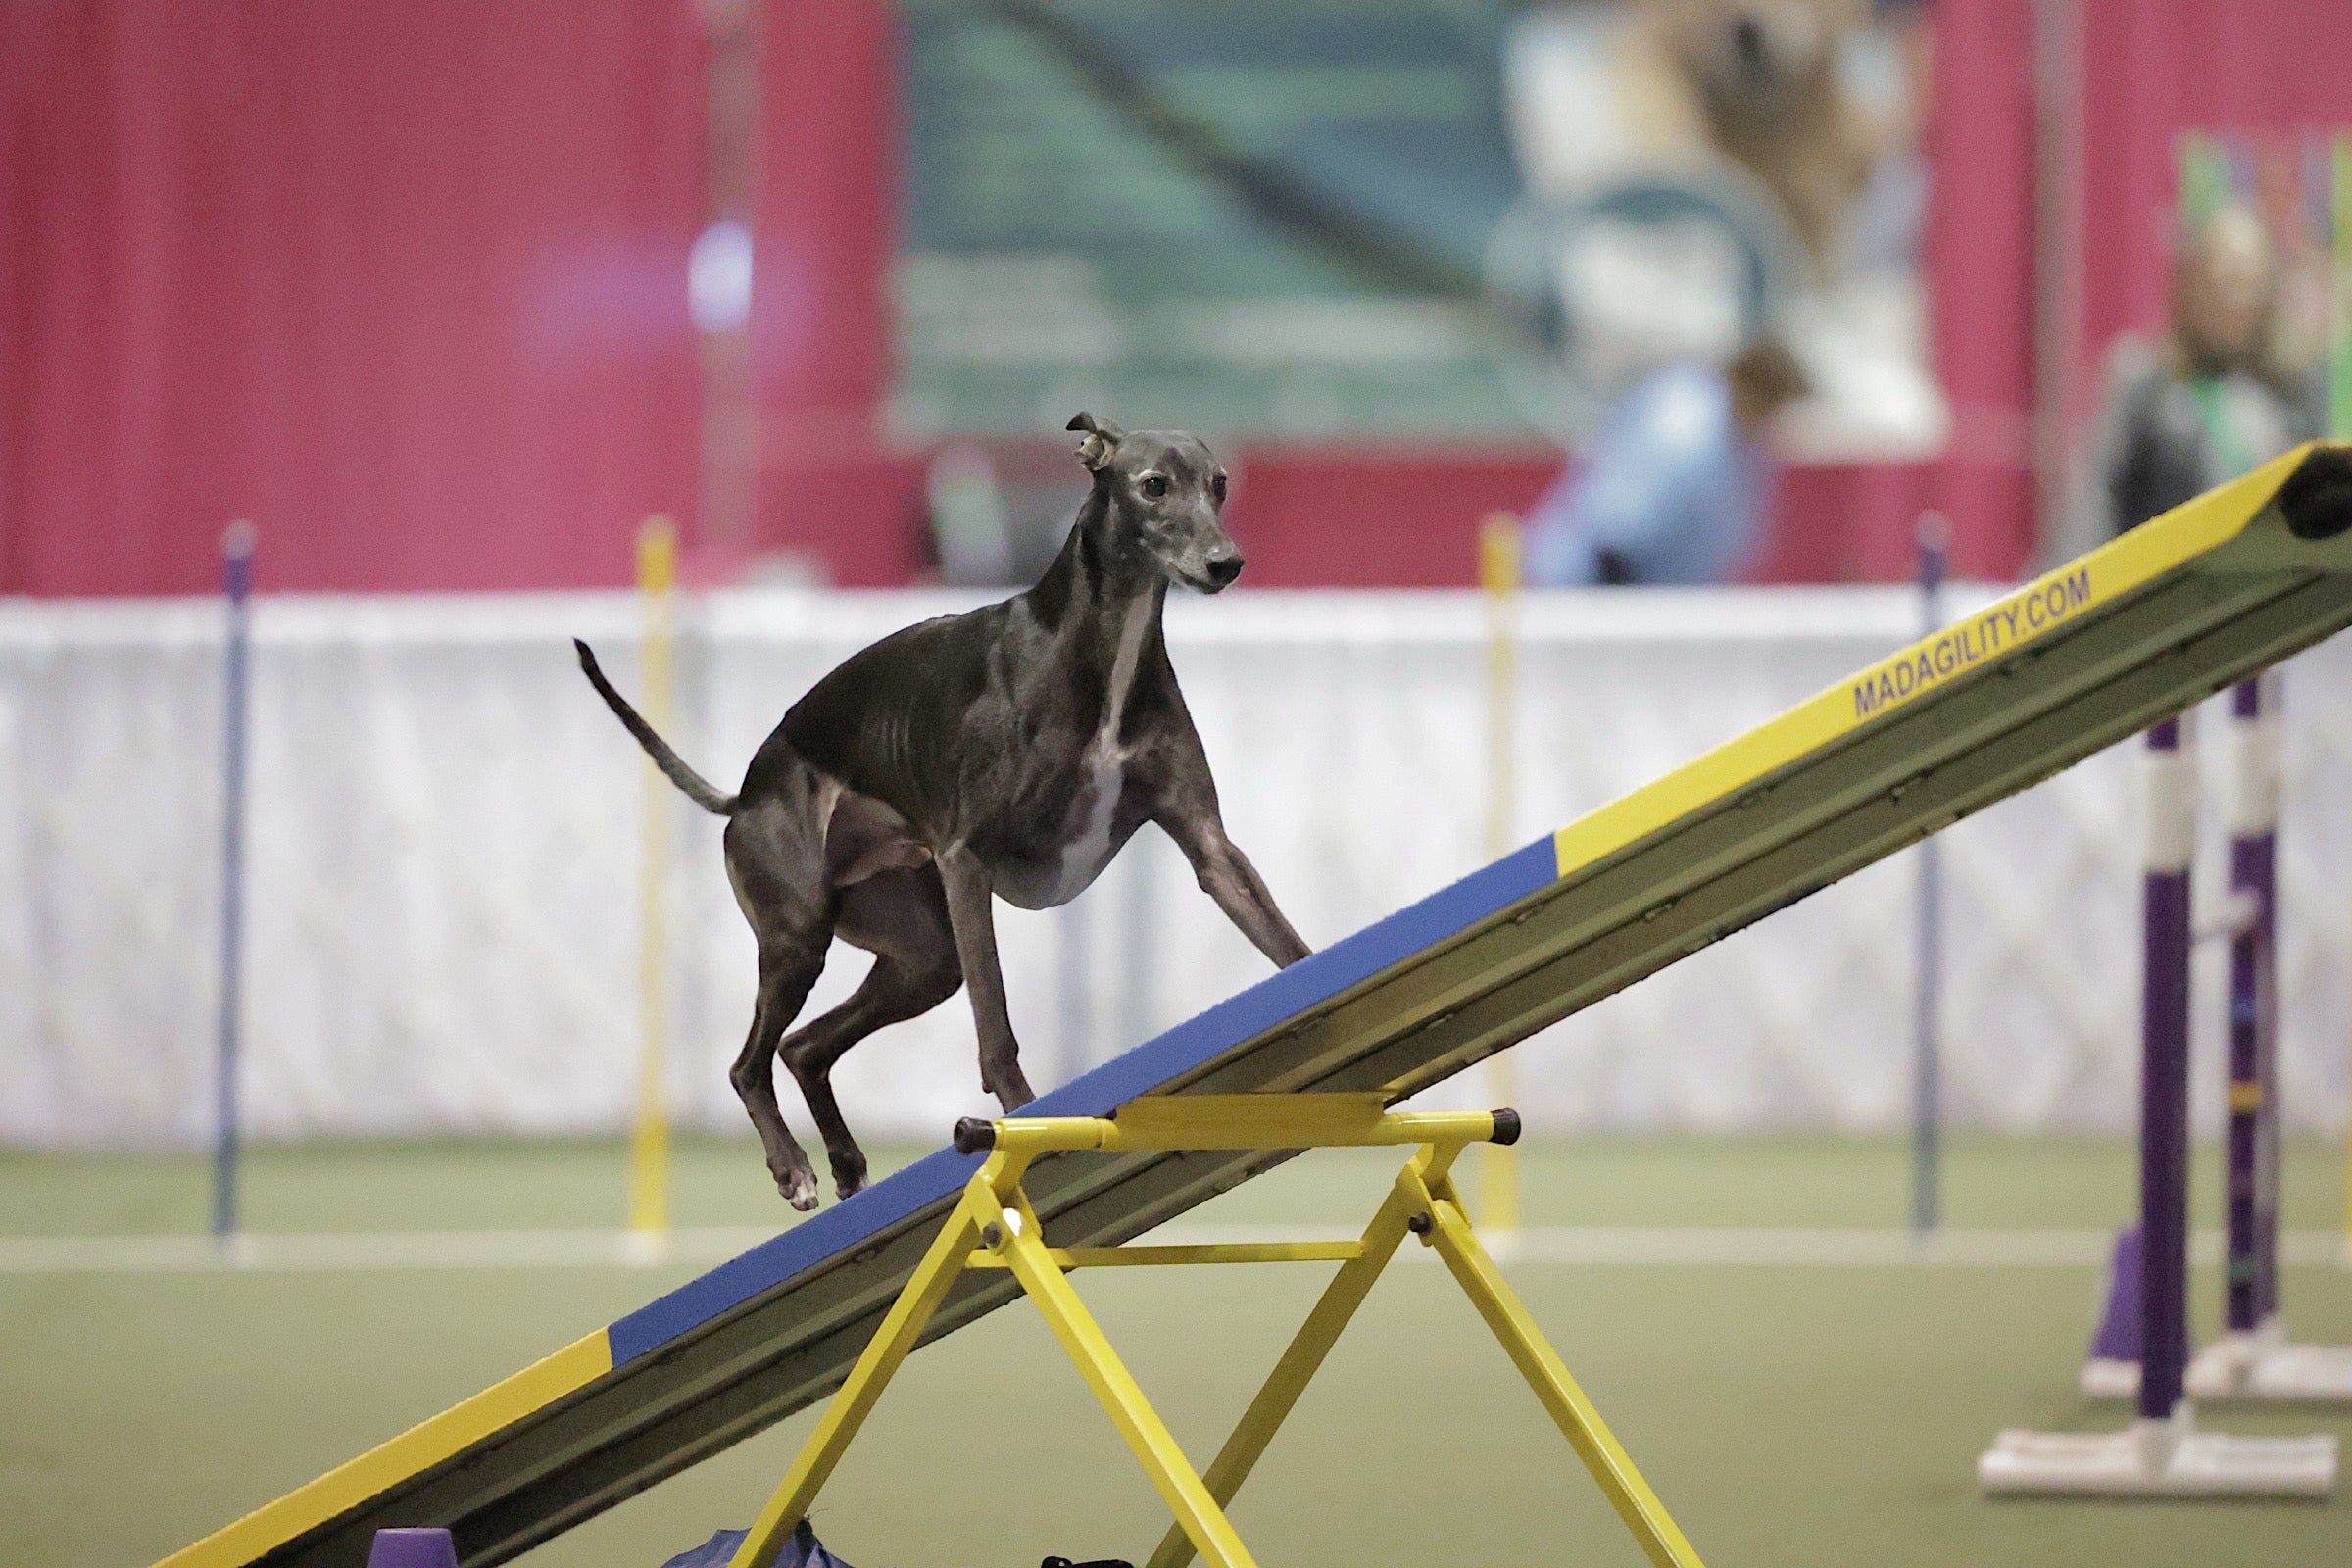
1006, 752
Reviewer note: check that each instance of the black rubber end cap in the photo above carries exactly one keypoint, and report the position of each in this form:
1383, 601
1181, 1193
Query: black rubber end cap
975, 1134
2317, 500
1506, 1126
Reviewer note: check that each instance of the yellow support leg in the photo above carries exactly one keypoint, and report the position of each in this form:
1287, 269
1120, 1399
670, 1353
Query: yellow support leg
1639, 1507
891, 1344
994, 1225
1156, 1447
1299, 1365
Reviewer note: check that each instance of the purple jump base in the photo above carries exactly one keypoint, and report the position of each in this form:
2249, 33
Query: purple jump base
413, 1548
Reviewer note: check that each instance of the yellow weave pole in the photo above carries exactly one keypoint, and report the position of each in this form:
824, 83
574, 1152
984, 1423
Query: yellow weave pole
648, 1139
1499, 574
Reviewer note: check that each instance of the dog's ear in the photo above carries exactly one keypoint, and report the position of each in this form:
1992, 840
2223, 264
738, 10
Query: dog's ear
1100, 436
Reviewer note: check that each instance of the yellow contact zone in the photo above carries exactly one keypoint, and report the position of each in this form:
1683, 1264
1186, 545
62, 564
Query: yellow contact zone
414, 1450
2057, 598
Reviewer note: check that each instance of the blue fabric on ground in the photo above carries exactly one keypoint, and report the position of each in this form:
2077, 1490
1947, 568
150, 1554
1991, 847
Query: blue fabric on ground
803, 1550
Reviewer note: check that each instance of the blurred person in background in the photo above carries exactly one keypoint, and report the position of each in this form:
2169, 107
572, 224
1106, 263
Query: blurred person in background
2229, 387
1678, 481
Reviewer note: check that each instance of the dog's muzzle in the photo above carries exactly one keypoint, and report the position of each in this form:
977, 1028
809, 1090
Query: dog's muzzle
1219, 572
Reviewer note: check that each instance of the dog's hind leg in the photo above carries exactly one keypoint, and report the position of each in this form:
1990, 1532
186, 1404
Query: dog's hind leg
776, 863
900, 916
973, 918
784, 981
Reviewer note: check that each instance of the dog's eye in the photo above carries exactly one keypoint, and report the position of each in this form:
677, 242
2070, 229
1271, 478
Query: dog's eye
1217, 488
1155, 487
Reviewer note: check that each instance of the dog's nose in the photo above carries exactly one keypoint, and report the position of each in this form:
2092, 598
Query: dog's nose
1748, 39
1222, 569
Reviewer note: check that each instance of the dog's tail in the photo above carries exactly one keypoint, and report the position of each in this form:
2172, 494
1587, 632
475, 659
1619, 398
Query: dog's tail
697, 787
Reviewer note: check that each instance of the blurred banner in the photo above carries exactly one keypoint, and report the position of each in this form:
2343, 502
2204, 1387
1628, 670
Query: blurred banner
1435, 220
1395, 259
1248, 219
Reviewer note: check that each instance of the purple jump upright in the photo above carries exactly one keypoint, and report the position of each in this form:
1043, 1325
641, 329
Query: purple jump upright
2170, 851
2253, 1206
1926, 1067
2147, 1285
2141, 1349
2253, 1358
236, 554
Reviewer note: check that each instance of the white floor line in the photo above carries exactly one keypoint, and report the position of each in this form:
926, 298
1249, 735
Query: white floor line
703, 1245
319, 1252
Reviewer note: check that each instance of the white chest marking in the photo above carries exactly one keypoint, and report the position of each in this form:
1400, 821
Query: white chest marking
1104, 763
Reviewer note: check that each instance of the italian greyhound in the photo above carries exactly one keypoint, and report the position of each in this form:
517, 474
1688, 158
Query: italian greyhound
1006, 753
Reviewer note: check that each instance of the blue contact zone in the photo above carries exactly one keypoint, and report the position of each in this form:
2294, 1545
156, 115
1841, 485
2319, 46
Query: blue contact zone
1153, 1064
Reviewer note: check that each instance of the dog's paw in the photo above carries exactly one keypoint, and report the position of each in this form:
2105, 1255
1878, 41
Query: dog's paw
848, 1183
799, 1188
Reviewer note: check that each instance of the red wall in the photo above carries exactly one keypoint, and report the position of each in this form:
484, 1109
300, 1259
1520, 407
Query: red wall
1404, 517
1374, 515
1980, 265
821, 310
401, 283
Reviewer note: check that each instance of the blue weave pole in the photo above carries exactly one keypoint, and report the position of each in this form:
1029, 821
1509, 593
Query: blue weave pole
237, 552
1927, 1063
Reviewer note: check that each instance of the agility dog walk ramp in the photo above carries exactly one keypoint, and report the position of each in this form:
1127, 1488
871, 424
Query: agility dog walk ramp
2133, 632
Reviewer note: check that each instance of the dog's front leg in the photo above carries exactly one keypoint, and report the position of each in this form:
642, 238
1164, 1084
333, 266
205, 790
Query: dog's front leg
1227, 876
972, 914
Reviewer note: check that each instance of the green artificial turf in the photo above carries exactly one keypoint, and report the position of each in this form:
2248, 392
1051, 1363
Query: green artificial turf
1788, 1415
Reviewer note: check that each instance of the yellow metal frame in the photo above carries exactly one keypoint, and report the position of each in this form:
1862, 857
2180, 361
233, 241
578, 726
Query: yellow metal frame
992, 1227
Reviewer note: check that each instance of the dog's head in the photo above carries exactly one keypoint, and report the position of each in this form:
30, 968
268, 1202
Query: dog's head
1162, 491
1759, 59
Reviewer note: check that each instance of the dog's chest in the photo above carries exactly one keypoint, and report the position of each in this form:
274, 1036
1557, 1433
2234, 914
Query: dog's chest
1085, 839
1103, 775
